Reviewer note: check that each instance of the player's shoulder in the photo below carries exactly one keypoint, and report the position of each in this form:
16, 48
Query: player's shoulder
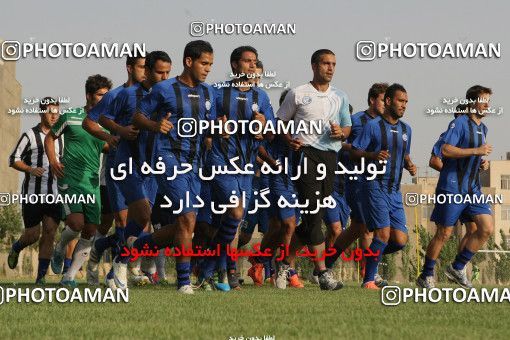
207, 86
405, 125
356, 117
164, 85
374, 122
305, 89
338, 92
113, 93
458, 122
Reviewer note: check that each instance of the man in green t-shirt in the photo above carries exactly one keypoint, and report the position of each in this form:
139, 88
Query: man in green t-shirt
78, 179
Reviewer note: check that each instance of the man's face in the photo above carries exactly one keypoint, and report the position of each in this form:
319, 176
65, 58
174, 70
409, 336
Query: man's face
94, 98
137, 71
377, 104
325, 68
200, 67
482, 104
247, 64
160, 72
50, 117
397, 104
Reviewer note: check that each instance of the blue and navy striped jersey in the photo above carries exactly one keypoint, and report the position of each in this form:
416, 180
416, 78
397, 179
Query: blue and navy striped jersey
436, 149
379, 135
104, 105
192, 104
122, 111
238, 106
359, 120
461, 175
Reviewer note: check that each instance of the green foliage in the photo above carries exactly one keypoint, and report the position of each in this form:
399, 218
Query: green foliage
10, 223
503, 262
389, 269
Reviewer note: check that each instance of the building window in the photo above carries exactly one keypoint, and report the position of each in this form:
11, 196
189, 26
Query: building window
505, 182
505, 212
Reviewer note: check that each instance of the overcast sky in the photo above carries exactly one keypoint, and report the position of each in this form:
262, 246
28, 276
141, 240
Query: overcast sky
336, 25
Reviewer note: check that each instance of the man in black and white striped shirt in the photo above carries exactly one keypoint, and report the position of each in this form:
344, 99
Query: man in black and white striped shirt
29, 157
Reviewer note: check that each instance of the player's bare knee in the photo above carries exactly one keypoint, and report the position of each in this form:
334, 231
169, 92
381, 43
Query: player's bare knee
443, 234
382, 234
236, 214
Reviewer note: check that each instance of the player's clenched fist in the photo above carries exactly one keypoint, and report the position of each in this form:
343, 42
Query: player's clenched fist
164, 125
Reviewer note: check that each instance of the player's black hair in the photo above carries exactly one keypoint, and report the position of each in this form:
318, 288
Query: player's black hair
154, 56
236, 54
316, 56
47, 101
131, 61
97, 82
375, 90
195, 48
259, 65
474, 92
392, 89
351, 109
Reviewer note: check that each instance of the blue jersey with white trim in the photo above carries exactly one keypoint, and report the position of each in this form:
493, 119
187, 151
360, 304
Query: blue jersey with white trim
378, 135
188, 106
105, 104
462, 175
238, 106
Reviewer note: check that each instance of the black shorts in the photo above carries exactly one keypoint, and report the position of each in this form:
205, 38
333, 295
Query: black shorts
33, 213
106, 208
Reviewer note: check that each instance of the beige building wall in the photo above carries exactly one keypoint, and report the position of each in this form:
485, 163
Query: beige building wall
10, 97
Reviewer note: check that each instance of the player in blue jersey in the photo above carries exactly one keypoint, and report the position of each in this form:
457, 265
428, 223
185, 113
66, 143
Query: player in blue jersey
175, 102
353, 184
426, 279
138, 190
282, 221
136, 73
258, 219
385, 138
237, 101
465, 143
316, 101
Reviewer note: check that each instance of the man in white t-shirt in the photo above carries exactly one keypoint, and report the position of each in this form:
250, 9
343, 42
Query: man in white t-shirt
316, 150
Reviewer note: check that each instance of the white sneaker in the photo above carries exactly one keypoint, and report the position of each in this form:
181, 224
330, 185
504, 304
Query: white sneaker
186, 290
137, 277
120, 274
110, 283
282, 276
314, 279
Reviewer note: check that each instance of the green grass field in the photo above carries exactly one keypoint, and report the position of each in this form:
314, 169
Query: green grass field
161, 313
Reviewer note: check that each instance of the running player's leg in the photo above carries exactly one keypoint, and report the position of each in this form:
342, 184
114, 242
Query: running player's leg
49, 229
32, 217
